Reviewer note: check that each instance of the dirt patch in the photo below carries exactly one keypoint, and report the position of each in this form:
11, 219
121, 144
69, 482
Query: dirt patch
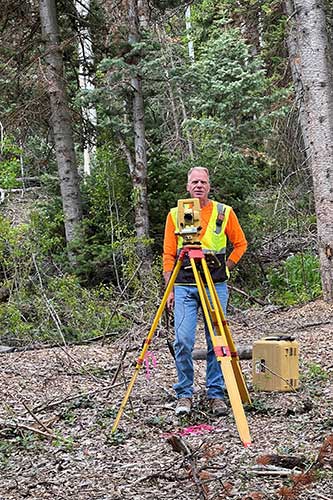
69, 391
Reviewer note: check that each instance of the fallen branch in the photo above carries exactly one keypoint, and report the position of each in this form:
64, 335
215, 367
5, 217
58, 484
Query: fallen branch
3, 192
52, 404
180, 446
270, 470
39, 422
319, 495
120, 365
249, 297
5, 426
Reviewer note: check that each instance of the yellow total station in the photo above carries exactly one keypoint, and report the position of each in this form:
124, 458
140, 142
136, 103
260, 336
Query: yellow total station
188, 215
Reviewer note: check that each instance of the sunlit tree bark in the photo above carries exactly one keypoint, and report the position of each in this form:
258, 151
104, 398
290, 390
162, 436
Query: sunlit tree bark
310, 53
86, 60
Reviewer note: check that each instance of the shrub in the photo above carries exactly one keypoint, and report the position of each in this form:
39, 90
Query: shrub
297, 280
9, 164
62, 308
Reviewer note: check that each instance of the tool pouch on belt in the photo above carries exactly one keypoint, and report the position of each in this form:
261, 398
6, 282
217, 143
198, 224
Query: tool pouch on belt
216, 265
213, 262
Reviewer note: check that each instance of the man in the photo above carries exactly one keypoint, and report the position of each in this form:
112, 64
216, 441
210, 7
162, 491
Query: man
218, 222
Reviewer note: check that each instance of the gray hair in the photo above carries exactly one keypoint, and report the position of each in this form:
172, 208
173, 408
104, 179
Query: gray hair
202, 169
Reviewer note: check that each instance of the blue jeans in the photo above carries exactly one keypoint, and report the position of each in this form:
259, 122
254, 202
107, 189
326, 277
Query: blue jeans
187, 302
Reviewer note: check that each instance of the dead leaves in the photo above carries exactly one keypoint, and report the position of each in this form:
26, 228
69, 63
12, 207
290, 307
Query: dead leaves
325, 455
255, 495
301, 481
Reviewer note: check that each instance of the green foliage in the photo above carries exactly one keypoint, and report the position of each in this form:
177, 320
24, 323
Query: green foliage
65, 443
224, 111
48, 302
263, 27
116, 438
82, 312
229, 94
159, 421
13, 324
225, 94
167, 184
6, 449
107, 227
258, 406
62, 308
296, 280
108, 223
9, 164
317, 373
15, 251
229, 102
106, 417
47, 225
28, 441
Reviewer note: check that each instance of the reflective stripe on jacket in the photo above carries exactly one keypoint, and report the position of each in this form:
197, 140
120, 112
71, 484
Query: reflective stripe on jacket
214, 242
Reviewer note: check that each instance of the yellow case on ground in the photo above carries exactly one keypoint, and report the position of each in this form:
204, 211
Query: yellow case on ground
275, 364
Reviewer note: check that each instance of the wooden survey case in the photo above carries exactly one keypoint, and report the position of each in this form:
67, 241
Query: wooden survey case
275, 364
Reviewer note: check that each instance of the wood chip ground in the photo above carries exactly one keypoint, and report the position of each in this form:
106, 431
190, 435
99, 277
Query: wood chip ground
67, 393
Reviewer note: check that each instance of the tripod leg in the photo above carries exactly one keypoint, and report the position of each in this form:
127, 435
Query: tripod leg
147, 342
224, 325
222, 351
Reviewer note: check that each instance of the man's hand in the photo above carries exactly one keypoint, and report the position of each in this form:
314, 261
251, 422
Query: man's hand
230, 264
171, 301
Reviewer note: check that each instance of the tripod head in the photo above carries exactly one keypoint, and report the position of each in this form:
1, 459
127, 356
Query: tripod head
189, 220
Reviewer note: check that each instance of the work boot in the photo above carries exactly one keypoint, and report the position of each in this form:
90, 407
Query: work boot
218, 407
183, 406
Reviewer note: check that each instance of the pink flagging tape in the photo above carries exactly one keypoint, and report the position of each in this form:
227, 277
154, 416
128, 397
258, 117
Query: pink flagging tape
197, 429
194, 430
149, 355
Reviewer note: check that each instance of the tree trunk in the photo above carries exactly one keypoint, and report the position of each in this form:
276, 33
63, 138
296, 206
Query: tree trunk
315, 88
139, 174
190, 44
61, 121
86, 61
294, 62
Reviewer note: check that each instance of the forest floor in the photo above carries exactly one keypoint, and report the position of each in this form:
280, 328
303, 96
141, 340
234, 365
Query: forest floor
58, 406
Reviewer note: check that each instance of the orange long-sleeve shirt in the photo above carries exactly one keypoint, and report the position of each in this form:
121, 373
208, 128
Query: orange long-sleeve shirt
233, 231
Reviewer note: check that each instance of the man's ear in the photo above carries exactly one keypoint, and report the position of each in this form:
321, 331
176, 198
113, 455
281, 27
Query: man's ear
188, 187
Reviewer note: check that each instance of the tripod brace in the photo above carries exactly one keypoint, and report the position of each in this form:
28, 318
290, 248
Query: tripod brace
223, 344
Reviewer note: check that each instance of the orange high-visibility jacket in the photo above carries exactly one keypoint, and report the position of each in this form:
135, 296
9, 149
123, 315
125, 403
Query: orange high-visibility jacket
231, 228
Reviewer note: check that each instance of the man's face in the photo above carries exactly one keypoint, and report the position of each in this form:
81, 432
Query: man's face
198, 185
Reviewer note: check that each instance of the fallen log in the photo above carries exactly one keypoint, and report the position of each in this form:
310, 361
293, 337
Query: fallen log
244, 352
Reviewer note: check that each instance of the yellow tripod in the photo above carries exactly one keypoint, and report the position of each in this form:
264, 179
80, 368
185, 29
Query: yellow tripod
223, 344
